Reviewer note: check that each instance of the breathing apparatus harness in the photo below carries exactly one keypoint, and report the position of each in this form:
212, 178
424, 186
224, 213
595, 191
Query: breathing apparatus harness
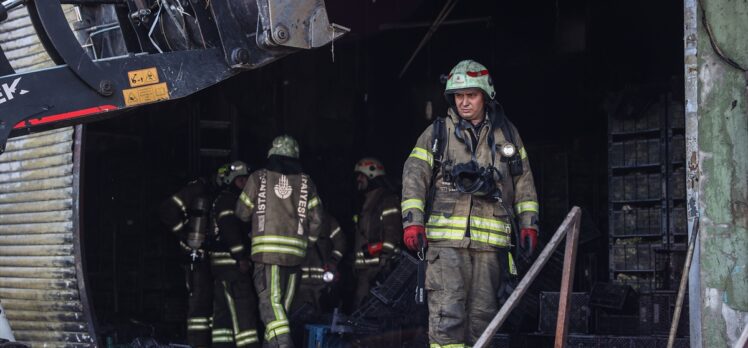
470, 177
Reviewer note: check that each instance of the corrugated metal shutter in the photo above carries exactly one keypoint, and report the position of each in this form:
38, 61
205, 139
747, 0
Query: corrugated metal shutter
41, 280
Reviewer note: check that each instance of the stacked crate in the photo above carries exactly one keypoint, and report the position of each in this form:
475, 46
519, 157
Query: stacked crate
647, 195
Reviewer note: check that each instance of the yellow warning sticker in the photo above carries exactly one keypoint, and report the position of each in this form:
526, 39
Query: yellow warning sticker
146, 94
142, 77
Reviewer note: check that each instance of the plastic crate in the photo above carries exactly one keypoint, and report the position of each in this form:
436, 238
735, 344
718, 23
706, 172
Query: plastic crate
579, 313
582, 342
633, 257
629, 342
683, 342
641, 283
633, 222
398, 280
678, 221
678, 180
636, 187
607, 295
500, 341
616, 324
678, 149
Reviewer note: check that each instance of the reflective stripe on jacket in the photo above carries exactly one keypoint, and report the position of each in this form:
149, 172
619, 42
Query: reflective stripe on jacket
456, 215
285, 213
379, 221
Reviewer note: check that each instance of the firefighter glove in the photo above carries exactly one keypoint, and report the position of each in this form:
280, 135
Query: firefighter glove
372, 249
528, 240
411, 236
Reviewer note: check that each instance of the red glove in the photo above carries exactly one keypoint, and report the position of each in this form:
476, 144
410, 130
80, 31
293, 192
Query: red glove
528, 240
411, 235
373, 249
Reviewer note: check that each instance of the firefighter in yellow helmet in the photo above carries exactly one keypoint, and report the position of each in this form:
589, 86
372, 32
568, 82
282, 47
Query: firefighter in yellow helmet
378, 225
234, 299
465, 184
281, 203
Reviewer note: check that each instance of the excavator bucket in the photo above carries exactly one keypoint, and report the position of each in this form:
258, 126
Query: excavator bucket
162, 49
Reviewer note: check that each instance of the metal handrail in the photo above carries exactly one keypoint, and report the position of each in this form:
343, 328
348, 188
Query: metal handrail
571, 223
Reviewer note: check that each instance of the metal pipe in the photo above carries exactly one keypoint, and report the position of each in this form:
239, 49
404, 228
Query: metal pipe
393, 26
437, 22
683, 284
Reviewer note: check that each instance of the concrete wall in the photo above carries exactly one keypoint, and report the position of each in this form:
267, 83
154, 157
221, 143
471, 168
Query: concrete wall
717, 126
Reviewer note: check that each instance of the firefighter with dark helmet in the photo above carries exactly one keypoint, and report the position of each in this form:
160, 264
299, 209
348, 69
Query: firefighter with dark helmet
186, 215
234, 301
466, 183
281, 203
378, 225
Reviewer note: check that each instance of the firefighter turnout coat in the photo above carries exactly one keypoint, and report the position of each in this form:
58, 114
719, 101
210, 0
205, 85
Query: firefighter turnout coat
285, 213
456, 215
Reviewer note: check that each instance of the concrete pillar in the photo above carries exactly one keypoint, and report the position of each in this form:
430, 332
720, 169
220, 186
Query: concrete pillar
717, 159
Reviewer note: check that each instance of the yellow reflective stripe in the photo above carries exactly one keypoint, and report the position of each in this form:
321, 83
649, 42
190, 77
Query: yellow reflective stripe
490, 224
272, 334
355, 218
313, 239
423, 154
335, 232
444, 233
388, 246
313, 203
198, 327
198, 320
237, 249
442, 221
246, 337
489, 238
232, 307
275, 295
280, 240
412, 203
455, 345
390, 212
225, 213
178, 202
276, 324
337, 253
222, 339
522, 153
256, 249
178, 226
290, 289
526, 206
246, 200
223, 332
512, 266
219, 262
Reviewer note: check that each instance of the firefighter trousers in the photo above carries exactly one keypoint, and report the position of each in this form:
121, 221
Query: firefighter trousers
462, 285
275, 287
200, 303
234, 311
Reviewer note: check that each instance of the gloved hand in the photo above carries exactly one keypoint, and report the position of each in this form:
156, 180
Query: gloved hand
528, 240
411, 234
372, 249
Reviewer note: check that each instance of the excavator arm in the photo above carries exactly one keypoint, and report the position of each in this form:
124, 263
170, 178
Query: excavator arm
173, 48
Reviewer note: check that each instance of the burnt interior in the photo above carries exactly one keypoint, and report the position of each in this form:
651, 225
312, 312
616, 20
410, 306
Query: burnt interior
560, 70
